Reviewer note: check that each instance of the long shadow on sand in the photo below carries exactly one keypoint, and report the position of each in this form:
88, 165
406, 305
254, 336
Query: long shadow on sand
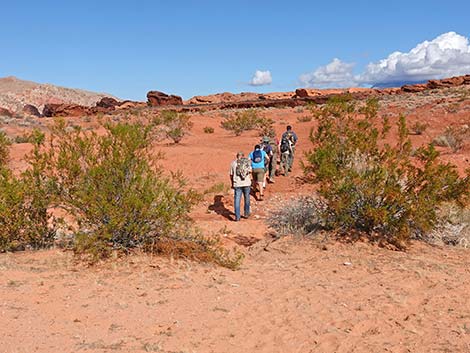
219, 207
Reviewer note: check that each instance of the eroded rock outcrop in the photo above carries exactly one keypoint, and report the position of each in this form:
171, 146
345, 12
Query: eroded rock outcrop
108, 103
64, 110
131, 105
5, 112
158, 99
31, 110
446, 82
414, 88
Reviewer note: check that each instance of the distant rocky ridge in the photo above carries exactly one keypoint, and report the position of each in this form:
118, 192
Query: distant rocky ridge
15, 94
304, 96
99, 103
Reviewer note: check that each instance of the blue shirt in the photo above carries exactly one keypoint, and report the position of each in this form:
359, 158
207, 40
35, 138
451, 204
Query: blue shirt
260, 164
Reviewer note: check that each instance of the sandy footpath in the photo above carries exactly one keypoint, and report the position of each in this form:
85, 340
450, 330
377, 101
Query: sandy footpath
297, 297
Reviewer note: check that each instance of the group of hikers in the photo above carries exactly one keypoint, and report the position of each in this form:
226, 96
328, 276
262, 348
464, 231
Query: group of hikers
260, 168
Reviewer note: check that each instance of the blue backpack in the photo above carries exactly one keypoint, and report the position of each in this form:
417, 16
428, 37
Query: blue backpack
257, 156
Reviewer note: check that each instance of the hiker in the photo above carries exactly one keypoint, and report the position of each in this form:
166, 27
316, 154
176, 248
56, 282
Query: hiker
271, 148
288, 139
258, 158
240, 177
285, 146
266, 147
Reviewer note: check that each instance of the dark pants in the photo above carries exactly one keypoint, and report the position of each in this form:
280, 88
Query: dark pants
238, 191
272, 166
291, 157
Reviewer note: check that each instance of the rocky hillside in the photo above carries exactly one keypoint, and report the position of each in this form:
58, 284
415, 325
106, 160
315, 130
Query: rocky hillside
15, 94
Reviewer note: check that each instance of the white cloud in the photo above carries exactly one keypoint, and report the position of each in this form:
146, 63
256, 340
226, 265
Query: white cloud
335, 74
445, 56
261, 78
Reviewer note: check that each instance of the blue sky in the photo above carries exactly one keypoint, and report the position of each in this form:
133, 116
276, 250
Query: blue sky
189, 48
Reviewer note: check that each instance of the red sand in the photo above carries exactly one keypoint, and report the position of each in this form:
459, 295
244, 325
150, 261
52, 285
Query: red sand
299, 296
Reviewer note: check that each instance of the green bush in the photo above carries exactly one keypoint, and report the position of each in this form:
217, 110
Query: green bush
418, 128
120, 199
25, 220
208, 130
371, 187
246, 120
4, 148
266, 127
304, 118
34, 137
114, 194
110, 187
174, 125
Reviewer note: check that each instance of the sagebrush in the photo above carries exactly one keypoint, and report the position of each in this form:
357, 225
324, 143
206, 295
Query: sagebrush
452, 138
299, 216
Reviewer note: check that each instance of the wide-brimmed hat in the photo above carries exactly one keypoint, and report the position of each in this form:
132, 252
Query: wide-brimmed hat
266, 139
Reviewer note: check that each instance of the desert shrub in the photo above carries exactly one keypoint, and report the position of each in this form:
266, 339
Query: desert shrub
174, 125
4, 148
217, 189
108, 184
120, 198
115, 197
208, 130
244, 121
22, 138
418, 128
25, 220
371, 187
299, 216
453, 107
266, 127
451, 138
304, 118
35, 137
453, 227
463, 95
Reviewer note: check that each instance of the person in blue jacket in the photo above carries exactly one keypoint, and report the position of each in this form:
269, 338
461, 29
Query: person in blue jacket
259, 159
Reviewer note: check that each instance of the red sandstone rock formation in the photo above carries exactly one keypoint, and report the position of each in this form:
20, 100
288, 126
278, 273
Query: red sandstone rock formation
31, 110
447, 82
64, 110
108, 103
414, 88
5, 112
157, 99
130, 105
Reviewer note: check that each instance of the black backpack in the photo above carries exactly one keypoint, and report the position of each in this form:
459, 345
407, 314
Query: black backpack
285, 145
